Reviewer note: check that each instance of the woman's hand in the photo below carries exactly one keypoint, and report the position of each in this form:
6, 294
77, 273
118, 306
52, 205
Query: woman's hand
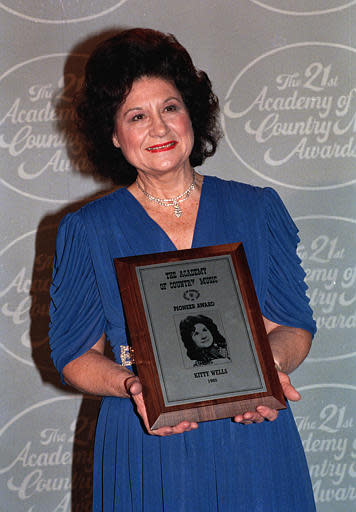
134, 389
290, 346
266, 413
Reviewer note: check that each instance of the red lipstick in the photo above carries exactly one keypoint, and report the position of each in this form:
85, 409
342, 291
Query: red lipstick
162, 147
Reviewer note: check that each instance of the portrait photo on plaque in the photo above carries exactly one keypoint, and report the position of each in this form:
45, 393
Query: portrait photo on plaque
203, 340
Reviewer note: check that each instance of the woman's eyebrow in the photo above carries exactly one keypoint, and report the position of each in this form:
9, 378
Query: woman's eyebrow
172, 98
132, 109
167, 100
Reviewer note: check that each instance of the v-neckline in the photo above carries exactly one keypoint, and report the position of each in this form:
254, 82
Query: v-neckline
155, 224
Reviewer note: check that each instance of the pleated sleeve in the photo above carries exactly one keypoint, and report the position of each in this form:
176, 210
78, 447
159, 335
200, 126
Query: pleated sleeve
286, 302
77, 319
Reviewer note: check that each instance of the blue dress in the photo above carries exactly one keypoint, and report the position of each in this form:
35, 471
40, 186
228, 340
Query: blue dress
222, 466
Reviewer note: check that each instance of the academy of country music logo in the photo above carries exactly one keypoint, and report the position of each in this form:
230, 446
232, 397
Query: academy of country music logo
24, 297
326, 418
38, 154
327, 251
54, 12
289, 116
39, 470
309, 8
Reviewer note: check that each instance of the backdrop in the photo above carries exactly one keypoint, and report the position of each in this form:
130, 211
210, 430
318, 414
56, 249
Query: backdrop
285, 75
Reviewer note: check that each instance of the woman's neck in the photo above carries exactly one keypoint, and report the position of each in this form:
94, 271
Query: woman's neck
165, 185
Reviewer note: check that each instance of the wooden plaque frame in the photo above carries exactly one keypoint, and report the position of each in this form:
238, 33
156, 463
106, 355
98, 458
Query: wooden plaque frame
142, 333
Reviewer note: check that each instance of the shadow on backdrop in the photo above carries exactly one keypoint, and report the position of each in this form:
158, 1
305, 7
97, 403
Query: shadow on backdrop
83, 445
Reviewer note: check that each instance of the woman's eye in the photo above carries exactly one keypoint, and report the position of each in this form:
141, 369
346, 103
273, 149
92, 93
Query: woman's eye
137, 117
171, 108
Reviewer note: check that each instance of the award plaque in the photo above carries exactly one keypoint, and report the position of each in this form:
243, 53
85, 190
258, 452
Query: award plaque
199, 342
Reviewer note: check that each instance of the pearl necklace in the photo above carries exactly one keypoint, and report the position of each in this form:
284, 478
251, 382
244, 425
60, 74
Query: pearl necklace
174, 201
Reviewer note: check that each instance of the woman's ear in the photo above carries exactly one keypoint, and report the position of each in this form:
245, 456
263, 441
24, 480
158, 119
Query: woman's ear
115, 140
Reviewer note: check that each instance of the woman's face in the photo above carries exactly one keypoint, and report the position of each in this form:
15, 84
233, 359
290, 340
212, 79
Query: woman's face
153, 127
201, 336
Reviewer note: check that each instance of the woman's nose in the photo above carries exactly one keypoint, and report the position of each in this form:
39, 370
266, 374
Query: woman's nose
158, 126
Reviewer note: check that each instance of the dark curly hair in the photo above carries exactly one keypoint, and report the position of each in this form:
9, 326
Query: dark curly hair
203, 355
110, 72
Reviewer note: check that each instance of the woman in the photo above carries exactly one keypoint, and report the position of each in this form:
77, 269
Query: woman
149, 117
202, 340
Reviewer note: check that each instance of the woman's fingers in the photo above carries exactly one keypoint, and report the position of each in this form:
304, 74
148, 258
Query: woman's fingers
262, 413
266, 413
184, 426
133, 385
289, 391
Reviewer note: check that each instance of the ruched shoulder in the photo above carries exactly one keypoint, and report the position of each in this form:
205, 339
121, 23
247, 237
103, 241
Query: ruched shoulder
286, 301
77, 318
